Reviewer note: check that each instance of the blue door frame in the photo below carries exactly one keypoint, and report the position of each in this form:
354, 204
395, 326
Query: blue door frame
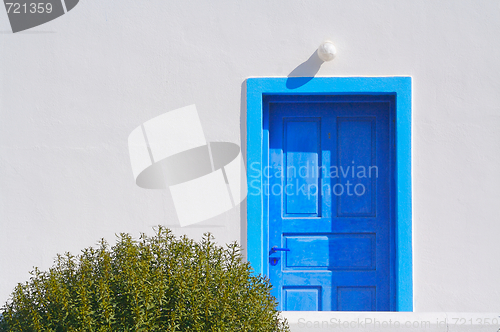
257, 160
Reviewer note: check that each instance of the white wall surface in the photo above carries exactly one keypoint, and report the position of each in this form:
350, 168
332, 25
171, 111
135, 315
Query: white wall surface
73, 89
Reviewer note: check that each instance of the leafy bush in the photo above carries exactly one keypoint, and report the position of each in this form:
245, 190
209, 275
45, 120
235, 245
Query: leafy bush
158, 283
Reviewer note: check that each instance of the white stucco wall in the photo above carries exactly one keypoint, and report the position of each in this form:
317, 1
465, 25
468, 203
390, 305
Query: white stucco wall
73, 89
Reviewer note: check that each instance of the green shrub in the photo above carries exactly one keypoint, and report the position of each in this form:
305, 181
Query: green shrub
158, 283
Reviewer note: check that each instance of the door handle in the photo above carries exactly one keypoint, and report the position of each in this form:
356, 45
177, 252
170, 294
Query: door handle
274, 260
276, 249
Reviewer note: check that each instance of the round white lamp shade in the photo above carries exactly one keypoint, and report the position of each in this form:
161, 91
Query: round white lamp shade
327, 51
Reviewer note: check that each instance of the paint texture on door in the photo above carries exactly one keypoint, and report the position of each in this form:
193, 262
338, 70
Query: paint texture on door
329, 189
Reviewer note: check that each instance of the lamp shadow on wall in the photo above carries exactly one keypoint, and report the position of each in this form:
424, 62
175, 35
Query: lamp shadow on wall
304, 72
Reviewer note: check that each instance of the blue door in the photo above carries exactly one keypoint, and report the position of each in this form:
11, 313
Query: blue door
329, 185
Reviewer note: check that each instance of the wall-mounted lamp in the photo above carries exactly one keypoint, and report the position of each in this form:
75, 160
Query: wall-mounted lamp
327, 51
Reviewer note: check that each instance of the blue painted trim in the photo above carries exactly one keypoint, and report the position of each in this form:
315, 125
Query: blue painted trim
401, 87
